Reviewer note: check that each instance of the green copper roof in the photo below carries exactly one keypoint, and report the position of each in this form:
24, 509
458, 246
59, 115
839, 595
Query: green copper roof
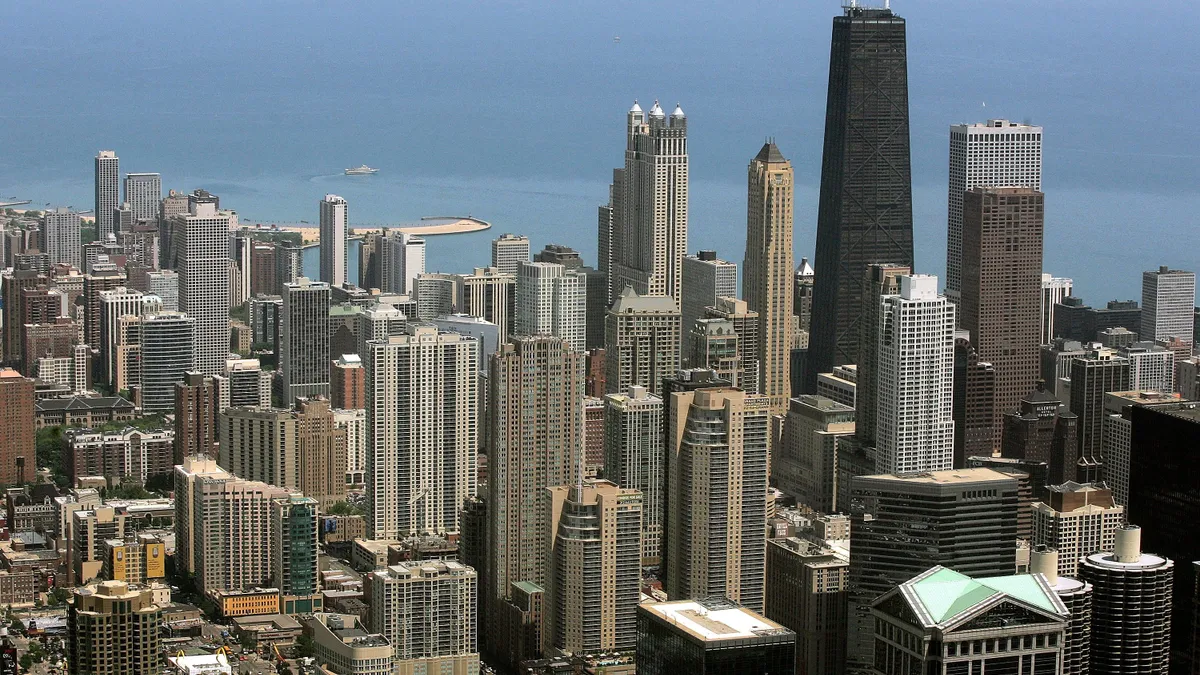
944, 594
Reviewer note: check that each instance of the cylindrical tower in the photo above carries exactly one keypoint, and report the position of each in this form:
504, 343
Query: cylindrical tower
1077, 596
1131, 608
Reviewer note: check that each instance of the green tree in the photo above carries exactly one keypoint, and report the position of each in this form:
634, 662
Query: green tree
344, 509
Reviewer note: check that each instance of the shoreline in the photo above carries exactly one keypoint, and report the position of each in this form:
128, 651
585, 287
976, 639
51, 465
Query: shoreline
311, 233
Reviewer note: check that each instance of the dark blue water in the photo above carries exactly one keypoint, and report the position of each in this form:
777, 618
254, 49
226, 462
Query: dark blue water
513, 110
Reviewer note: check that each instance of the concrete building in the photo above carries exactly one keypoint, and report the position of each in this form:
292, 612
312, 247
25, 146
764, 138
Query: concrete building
1074, 320
423, 404
1168, 302
880, 280
1043, 430
901, 525
61, 236
1117, 337
1131, 607
1002, 287
223, 527
115, 304
508, 252
641, 341
489, 294
113, 628
595, 568
143, 192
333, 230
973, 621
1077, 596
705, 278
841, 385
299, 449
551, 300
435, 295
746, 326
1054, 291
711, 635
768, 270
17, 428
996, 153
649, 223
168, 343
304, 339
202, 240
1056, 359
343, 645
126, 456
1092, 376
426, 610
1076, 520
1151, 366
354, 423
717, 494
135, 559
247, 384
713, 344
108, 190
634, 457
401, 261
524, 458
806, 592
805, 463
915, 378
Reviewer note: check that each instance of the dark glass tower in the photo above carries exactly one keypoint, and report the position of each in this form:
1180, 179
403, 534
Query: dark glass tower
865, 212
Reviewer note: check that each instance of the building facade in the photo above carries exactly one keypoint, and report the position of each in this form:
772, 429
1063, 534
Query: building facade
634, 457
716, 495
333, 229
423, 405
998, 153
864, 210
642, 338
1001, 287
768, 271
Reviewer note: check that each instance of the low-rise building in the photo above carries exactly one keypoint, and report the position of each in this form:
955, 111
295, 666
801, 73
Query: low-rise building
713, 635
342, 645
82, 411
250, 602
120, 456
261, 630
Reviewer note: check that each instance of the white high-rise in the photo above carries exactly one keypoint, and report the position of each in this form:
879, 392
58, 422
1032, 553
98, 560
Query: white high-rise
649, 220
551, 300
333, 240
915, 379
202, 238
998, 153
143, 193
1168, 301
402, 260
108, 191
1054, 289
61, 238
422, 398
509, 251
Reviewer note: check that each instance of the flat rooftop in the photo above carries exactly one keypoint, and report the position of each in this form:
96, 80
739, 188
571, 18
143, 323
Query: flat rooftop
708, 620
948, 477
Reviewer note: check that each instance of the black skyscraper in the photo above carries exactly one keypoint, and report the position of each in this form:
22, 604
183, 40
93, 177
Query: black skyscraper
865, 211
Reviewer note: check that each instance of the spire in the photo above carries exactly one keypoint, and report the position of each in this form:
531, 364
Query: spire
656, 110
770, 153
678, 111
636, 108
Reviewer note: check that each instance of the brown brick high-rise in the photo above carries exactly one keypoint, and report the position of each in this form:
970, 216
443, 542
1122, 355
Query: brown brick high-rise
196, 402
16, 428
1002, 288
